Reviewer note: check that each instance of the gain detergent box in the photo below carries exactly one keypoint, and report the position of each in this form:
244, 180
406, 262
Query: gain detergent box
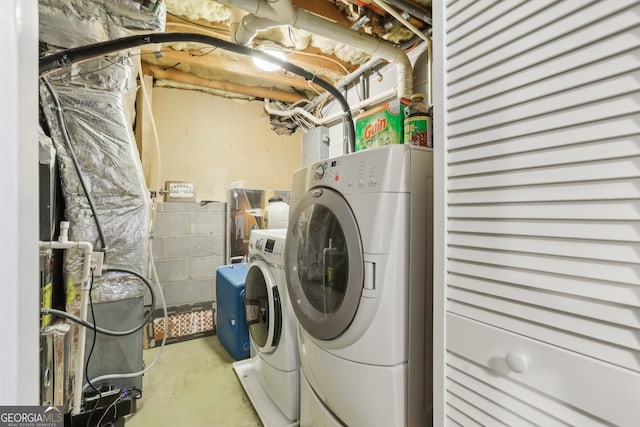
382, 125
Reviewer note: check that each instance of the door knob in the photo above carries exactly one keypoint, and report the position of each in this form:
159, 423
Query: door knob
517, 362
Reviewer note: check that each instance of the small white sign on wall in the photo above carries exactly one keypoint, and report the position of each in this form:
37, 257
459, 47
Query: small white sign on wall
179, 191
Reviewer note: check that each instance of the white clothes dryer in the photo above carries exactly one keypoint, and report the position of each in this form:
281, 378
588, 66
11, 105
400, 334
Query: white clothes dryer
359, 274
270, 377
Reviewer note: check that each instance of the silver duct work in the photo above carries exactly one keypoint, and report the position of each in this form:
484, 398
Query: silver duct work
95, 100
66, 23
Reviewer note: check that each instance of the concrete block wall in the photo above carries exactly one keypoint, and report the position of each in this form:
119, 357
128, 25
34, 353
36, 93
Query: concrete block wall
188, 246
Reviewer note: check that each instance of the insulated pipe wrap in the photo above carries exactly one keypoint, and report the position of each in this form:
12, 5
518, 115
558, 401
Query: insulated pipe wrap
304, 20
383, 49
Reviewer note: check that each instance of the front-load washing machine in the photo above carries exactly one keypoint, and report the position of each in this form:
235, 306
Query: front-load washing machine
359, 273
270, 377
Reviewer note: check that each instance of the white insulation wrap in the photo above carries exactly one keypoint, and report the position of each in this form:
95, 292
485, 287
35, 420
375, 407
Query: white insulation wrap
97, 108
97, 99
73, 23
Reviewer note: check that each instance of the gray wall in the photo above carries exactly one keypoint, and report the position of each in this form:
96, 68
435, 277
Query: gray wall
188, 247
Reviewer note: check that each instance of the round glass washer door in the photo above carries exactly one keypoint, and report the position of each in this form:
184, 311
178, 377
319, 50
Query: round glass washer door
324, 263
262, 306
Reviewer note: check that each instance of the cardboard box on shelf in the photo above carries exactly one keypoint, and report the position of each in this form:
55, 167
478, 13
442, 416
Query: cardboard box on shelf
382, 125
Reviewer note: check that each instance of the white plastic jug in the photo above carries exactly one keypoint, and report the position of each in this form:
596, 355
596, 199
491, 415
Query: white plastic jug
276, 215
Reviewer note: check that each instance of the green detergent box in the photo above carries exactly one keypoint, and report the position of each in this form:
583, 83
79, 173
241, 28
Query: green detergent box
382, 125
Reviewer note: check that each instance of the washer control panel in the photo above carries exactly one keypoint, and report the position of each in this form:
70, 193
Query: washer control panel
268, 244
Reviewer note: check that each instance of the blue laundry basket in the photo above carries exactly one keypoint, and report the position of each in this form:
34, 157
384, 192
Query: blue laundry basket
231, 323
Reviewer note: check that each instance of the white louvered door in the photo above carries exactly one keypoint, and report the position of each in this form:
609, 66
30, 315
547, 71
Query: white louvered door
538, 256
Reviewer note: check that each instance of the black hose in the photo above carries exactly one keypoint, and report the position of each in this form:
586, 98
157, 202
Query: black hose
98, 329
76, 165
67, 57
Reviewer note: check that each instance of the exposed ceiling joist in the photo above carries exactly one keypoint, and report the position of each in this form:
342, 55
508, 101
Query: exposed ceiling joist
322, 8
223, 65
221, 85
328, 59
177, 24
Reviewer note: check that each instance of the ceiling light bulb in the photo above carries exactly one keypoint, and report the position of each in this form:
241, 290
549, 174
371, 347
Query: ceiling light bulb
274, 51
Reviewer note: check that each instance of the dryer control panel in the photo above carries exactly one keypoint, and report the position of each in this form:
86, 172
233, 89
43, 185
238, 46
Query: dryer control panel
374, 170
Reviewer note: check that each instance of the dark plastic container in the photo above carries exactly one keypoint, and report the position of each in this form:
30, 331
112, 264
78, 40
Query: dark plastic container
231, 321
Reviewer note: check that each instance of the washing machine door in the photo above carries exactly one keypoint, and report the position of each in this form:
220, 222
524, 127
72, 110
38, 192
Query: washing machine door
324, 263
263, 308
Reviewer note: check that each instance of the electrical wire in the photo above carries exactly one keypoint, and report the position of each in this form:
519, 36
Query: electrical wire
326, 58
76, 165
112, 405
164, 335
93, 345
156, 161
93, 325
131, 55
204, 54
127, 393
59, 60
195, 24
111, 64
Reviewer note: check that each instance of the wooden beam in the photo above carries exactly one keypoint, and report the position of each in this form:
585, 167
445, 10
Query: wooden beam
180, 27
191, 79
311, 58
323, 8
198, 23
225, 65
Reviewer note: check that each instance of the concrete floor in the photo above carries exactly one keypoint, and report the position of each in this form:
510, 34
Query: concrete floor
193, 384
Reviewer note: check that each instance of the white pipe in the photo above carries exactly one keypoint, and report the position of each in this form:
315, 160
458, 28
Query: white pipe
399, 17
283, 9
382, 96
63, 237
249, 27
291, 112
235, 18
155, 167
373, 100
304, 20
412, 9
87, 249
267, 9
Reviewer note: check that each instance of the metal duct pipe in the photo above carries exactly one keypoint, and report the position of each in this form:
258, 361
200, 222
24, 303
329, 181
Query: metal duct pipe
383, 5
326, 121
268, 16
412, 9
